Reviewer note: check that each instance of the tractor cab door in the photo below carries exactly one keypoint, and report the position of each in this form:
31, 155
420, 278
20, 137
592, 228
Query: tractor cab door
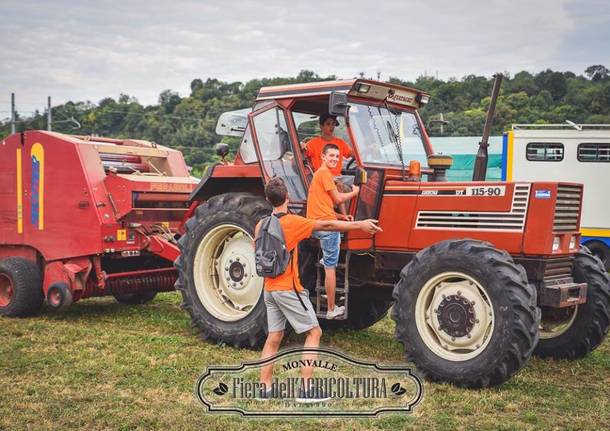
276, 151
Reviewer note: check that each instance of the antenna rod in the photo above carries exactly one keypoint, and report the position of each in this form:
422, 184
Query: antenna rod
480, 163
13, 119
49, 118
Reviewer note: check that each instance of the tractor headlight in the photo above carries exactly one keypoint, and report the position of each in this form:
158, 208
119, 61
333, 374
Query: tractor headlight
556, 243
573, 243
422, 99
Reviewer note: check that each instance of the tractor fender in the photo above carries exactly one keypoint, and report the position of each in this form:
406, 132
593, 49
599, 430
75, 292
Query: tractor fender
221, 178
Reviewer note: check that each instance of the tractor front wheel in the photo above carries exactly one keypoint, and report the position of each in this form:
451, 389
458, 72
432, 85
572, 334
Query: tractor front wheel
573, 332
216, 270
465, 313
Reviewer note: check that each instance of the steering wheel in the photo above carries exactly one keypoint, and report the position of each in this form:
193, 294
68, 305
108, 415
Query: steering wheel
349, 166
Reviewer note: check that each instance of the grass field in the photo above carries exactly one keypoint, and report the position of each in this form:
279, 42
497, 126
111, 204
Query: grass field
102, 365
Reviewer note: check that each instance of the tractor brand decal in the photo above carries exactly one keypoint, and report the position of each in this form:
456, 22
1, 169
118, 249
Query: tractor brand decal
486, 191
402, 98
19, 193
37, 186
543, 194
171, 187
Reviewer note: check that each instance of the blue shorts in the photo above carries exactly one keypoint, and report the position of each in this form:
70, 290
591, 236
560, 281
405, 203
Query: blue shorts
331, 244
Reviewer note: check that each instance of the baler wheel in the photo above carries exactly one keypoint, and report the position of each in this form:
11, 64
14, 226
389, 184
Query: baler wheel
465, 313
20, 287
216, 270
135, 298
571, 333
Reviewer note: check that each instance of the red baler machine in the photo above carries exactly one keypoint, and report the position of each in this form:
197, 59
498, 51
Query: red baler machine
87, 216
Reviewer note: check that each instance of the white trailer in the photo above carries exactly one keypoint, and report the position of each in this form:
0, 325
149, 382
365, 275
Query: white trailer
567, 152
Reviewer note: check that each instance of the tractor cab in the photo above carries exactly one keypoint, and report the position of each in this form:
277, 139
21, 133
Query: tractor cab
378, 121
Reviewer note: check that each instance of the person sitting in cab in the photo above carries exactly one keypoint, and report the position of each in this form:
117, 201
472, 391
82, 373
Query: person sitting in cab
313, 147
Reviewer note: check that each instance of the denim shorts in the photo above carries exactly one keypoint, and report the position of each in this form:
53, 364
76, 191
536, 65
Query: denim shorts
330, 243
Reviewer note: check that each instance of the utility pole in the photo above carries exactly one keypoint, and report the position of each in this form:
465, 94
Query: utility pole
13, 113
49, 119
442, 124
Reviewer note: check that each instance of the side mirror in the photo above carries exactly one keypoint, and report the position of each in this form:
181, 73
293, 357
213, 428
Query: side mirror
337, 104
232, 123
222, 150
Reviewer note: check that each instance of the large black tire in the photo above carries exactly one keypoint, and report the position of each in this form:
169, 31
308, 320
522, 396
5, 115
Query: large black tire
135, 298
366, 306
20, 277
602, 251
507, 300
590, 325
242, 210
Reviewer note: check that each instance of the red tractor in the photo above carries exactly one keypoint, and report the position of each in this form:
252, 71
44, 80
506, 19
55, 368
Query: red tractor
480, 274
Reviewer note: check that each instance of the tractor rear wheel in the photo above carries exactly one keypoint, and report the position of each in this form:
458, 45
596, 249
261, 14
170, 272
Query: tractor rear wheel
20, 287
216, 270
135, 298
465, 313
573, 332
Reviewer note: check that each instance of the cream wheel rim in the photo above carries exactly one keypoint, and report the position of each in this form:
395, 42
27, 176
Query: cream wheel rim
552, 329
454, 316
224, 273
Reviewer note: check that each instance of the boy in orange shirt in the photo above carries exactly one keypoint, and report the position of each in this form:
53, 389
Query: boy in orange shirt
280, 293
323, 196
313, 148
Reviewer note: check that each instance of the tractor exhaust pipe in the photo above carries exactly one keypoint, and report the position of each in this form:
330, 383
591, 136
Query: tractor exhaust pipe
480, 163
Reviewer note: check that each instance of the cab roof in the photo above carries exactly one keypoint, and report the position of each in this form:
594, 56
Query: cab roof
365, 88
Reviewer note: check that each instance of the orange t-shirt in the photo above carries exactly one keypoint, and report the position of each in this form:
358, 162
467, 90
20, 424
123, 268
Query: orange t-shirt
320, 205
314, 152
296, 229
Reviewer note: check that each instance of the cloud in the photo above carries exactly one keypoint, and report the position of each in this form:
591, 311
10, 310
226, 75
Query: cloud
90, 50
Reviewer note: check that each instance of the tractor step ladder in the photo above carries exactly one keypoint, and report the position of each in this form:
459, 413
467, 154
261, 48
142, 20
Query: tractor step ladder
341, 290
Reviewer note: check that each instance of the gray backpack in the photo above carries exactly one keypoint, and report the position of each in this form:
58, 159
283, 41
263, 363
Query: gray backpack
270, 253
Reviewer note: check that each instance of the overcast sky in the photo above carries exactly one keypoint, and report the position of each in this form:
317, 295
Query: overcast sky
87, 50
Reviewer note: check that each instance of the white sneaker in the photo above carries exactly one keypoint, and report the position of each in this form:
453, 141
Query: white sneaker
335, 312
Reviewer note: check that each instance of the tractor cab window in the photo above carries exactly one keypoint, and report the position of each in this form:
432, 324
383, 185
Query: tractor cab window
277, 151
385, 136
246, 148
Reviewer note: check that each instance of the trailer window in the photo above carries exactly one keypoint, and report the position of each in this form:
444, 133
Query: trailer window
593, 153
544, 152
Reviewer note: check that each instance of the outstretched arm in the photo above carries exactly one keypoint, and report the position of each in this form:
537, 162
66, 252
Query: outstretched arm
368, 226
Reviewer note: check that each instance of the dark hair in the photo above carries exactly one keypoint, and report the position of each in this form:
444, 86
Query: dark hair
329, 147
325, 117
276, 191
